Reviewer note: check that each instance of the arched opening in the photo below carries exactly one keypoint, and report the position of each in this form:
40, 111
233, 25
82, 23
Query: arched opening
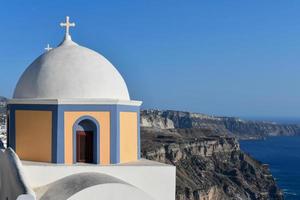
86, 141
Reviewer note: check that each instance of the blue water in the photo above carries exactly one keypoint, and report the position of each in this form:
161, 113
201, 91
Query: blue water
283, 156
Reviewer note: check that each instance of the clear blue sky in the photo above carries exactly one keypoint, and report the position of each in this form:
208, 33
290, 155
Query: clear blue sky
238, 58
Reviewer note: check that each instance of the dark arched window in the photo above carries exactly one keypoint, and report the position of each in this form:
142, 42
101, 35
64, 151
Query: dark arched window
85, 134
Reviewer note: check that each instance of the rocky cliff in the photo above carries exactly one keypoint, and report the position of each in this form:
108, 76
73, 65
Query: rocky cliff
209, 166
243, 129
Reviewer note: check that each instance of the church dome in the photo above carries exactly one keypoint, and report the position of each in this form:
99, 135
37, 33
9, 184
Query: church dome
71, 71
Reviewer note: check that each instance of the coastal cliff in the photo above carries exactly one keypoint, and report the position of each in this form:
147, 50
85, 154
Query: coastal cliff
242, 129
206, 153
209, 167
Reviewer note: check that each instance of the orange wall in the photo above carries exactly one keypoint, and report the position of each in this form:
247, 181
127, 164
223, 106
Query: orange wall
103, 119
128, 137
33, 135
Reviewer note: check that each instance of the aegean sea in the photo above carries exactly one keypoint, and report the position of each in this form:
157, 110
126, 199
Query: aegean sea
283, 156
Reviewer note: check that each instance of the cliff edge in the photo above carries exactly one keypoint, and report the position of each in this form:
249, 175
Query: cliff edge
207, 156
242, 129
209, 167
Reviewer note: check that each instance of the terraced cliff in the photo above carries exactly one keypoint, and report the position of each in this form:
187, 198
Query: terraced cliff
209, 166
243, 129
205, 150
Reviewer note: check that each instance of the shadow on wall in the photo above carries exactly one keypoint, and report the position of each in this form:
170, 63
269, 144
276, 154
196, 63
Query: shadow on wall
94, 185
1, 145
13, 184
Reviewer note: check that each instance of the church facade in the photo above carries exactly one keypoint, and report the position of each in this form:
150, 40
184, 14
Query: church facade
71, 105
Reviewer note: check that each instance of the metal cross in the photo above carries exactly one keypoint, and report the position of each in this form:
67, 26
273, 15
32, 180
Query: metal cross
67, 24
48, 48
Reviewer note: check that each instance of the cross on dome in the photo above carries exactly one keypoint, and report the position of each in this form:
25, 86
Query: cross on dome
48, 48
67, 24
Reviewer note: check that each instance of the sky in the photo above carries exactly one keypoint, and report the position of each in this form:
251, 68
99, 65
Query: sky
233, 58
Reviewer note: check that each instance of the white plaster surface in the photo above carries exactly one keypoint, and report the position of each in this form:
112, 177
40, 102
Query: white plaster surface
13, 181
26, 197
77, 101
112, 191
71, 71
157, 180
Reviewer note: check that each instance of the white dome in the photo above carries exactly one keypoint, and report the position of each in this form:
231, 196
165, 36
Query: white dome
71, 71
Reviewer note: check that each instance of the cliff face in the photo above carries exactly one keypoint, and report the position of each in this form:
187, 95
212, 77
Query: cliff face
220, 125
209, 166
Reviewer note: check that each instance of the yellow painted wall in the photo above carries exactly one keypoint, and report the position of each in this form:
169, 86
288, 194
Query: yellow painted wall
128, 136
103, 119
34, 135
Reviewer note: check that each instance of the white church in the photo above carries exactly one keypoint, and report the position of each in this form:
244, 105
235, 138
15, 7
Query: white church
74, 133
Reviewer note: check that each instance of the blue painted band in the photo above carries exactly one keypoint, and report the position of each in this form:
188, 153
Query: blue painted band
11, 132
12, 125
58, 155
114, 123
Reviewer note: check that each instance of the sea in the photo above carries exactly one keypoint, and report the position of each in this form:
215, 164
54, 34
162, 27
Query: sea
283, 156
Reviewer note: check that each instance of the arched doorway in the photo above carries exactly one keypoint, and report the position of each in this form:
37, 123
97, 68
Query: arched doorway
86, 136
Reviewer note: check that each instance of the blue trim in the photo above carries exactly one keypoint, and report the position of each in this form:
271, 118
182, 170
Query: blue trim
55, 138
116, 145
114, 123
87, 107
12, 126
58, 151
113, 136
96, 137
123, 108
60, 132
7, 125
